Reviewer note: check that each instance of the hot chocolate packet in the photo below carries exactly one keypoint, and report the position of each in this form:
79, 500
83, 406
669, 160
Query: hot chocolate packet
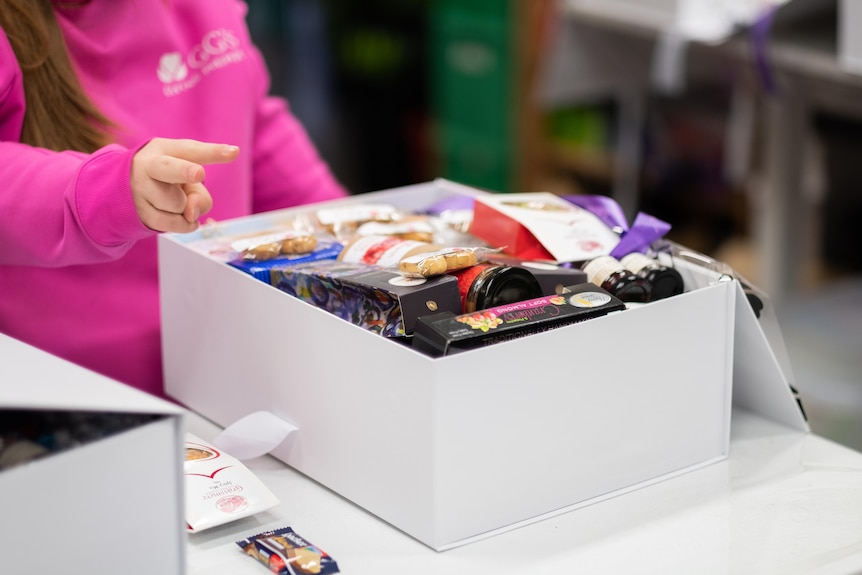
219, 487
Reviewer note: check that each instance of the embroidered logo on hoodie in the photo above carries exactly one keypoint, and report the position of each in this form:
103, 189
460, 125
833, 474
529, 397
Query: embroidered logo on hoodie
181, 72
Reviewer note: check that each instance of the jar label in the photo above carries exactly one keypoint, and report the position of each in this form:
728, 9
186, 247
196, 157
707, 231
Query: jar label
599, 269
636, 261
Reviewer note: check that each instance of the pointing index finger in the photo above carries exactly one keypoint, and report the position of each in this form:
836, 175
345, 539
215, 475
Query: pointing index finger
199, 152
173, 170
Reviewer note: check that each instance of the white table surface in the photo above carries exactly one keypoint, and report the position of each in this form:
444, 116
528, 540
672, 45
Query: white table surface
783, 502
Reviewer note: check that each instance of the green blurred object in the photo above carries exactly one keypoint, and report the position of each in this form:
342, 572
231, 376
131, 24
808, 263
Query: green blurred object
372, 52
473, 76
476, 158
380, 87
580, 128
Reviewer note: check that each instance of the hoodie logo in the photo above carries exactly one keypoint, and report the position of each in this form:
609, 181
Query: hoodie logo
172, 68
179, 73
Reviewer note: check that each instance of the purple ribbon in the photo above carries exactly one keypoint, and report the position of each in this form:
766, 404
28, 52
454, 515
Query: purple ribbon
635, 238
455, 202
759, 39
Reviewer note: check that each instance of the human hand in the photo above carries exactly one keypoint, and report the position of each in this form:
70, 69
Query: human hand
167, 182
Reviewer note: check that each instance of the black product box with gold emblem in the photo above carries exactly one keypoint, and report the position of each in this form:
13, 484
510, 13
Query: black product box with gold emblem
379, 300
447, 333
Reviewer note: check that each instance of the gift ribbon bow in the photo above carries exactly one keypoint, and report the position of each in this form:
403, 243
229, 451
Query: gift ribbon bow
635, 238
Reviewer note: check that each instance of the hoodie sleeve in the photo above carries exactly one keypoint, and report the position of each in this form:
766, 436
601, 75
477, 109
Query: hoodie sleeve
59, 208
288, 170
66, 208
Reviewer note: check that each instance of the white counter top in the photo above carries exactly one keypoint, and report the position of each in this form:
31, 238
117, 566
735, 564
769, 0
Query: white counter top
784, 502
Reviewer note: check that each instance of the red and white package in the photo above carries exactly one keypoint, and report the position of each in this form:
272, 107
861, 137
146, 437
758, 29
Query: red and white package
219, 488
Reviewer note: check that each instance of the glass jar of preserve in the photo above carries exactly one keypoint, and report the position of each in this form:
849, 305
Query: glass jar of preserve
665, 280
608, 273
487, 285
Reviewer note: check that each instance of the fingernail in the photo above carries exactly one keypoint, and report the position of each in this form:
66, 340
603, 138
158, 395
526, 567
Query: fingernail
230, 150
194, 172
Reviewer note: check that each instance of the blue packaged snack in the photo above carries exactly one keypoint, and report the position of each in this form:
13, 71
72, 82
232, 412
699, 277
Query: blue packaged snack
260, 269
285, 552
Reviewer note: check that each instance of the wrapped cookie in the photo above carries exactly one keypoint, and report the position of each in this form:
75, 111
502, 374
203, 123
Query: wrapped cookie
296, 235
343, 221
445, 260
418, 228
271, 245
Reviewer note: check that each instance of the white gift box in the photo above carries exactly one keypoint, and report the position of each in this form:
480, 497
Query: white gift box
457, 448
107, 506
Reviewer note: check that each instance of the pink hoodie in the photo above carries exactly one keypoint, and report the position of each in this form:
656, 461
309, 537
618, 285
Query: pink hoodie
78, 273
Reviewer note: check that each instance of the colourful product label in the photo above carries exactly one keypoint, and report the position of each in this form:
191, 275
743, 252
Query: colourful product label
449, 333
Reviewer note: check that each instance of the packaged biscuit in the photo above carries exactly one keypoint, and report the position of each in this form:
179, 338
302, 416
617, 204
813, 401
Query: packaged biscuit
447, 333
419, 228
444, 260
291, 237
413, 258
343, 221
271, 245
285, 552
325, 249
219, 488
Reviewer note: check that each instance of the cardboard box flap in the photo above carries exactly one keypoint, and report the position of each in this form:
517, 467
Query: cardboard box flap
760, 383
39, 380
109, 485
762, 376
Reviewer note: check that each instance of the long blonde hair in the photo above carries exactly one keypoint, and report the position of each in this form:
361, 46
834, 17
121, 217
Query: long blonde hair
59, 115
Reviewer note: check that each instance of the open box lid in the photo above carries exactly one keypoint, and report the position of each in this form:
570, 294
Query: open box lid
763, 380
34, 379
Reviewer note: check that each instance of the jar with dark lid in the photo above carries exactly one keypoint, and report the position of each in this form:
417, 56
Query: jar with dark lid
487, 285
665, 280
608, 273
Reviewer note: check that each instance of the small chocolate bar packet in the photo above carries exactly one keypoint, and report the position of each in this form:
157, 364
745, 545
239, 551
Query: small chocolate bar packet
284, 552
445, 333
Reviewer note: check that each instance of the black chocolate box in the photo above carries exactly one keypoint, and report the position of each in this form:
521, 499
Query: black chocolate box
379, 300
447, 333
